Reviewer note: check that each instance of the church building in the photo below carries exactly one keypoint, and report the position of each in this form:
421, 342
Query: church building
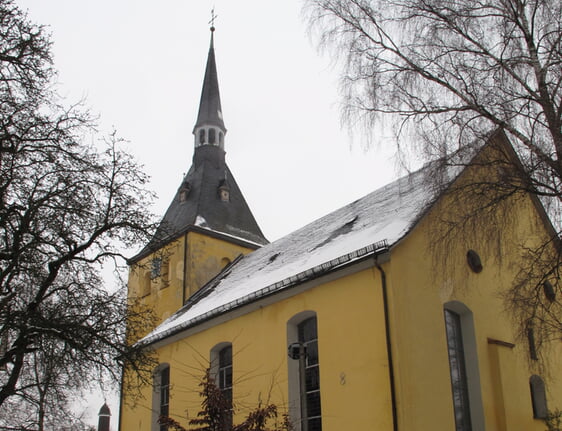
368, 318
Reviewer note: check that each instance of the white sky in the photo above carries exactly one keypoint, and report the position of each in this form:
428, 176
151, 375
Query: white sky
139, 64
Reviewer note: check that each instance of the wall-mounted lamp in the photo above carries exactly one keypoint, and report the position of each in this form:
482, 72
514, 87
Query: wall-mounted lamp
296, 351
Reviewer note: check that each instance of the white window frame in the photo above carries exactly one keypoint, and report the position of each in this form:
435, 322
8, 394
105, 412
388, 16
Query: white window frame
156, 394
471, 363
293, 368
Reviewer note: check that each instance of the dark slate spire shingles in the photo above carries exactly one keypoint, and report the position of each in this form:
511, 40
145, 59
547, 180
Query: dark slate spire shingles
197, 204
210, 111
204, 206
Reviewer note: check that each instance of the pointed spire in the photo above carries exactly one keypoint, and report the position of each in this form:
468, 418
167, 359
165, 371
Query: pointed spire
208, 198
209, 128
104, 418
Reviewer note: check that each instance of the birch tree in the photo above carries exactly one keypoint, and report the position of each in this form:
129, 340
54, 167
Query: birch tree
447, 74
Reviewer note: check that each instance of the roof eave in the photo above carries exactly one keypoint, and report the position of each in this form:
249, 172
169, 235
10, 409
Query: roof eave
193, 228
316, 272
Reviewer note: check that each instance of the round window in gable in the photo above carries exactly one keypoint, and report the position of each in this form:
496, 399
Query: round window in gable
473, 260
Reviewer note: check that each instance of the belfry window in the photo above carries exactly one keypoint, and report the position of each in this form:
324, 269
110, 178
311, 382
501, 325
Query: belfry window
202, 136
145, 282
156, 268
212, 136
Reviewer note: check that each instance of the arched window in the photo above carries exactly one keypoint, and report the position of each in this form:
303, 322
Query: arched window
221, 371
538, 397
304, 372
145, 282
225, 372
212, 135
201, 136
531, 341
457, 364
463, 367
160, 396
156, 267
165, 273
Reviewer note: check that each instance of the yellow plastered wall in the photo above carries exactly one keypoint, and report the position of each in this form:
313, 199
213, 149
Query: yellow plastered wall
187, 263
354, 377
423, 275
206, 257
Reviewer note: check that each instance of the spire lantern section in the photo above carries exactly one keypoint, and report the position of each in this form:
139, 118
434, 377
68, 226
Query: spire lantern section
209, 129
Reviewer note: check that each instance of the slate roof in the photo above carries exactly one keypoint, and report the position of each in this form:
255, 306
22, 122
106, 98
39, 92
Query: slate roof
210, 111
203, 209
362, 228
104, 411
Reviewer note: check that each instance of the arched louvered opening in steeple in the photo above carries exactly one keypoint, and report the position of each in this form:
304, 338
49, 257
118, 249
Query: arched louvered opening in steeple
209, 135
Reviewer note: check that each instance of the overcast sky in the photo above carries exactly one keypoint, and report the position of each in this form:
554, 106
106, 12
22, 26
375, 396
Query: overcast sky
139, 65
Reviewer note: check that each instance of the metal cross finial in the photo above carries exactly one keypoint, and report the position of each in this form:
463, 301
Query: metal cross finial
213, 17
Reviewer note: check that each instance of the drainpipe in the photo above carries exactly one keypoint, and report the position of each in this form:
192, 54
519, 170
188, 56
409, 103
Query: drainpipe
184, 269
120, 420
388, 345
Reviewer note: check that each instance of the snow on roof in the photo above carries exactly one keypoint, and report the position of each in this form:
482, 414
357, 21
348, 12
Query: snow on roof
385, 215
200, 221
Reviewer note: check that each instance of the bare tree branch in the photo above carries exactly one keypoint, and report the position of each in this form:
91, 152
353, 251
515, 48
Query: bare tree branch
448, 73
67, 211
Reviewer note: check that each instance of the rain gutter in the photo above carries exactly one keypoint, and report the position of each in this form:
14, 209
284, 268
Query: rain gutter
194, 228
299, 278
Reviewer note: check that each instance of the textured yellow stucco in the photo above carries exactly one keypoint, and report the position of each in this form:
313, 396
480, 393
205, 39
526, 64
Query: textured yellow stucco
352, 363
185, 268
423, 275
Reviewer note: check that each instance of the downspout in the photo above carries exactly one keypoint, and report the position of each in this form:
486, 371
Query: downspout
120, 420
184, 269
388, 345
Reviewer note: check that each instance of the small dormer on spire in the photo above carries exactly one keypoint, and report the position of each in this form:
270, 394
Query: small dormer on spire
224, 191
209, 128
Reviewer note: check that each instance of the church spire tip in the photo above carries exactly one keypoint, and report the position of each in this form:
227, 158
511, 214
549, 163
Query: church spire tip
212, 21
209, 128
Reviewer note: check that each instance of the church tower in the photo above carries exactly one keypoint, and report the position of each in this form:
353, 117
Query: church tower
104, 418
208, 223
